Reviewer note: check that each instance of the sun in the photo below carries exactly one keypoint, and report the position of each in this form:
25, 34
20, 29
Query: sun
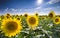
11, 27
32, 21
39, 1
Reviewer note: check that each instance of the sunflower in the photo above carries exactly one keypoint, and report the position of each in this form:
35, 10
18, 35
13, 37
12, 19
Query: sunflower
21, 15
7, 15
36, 14
11, 27
2, 16
13, 16
51, 14
26, 15
32, 21
43, 18
16, 16
57, 20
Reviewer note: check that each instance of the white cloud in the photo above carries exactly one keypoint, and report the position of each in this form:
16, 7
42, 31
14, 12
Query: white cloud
53, 1
6, 9
14, 9
38, 8
47, 9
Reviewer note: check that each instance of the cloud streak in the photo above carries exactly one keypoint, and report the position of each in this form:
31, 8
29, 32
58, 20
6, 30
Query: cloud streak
53, 1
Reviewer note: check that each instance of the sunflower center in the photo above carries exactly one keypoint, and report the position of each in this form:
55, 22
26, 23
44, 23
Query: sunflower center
43, 18
26, 15
51, 15
36, 14
12, 26
32, 20
18, 18
56, 20
8, 15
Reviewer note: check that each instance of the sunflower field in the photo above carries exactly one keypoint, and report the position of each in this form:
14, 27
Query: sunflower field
30, 26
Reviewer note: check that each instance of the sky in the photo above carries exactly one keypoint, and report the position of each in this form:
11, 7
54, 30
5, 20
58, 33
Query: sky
43, 7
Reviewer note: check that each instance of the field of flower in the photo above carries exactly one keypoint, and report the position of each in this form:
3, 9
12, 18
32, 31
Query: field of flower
30, 26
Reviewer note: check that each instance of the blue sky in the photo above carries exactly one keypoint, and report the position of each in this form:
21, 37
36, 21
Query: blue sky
43, 7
